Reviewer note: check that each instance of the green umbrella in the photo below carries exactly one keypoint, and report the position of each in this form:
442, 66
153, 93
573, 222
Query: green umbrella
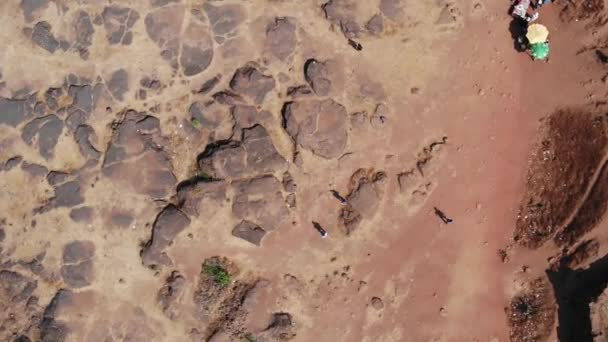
540, 51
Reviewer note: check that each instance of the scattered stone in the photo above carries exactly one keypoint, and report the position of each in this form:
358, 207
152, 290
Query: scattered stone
168, 224
359, 120
82, 214
249, 81
377, 303
362, 286
289, 185
12, 163
317, 125
375, 25
281, 328
317, 75
281, 38
249, 232
43, 37
77, 269
291, 200
120, 219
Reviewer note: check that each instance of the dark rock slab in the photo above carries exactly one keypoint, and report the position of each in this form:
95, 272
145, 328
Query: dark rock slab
57, 177
249, 232
29, 7
15, 287
255, 155
163, 26
196, 49
224, 18
217, 120
51, 329
281, 38
391, 8
227, 97
118, 84
13, 111
118, 22
375, 25
319, 126
259, 200
77, 269
208, 85
249, 81
200, 194
135, 159
169, 223
170, 293
83, 26
43, 37
342, 13
35, 170
47, 130
68, 195
83, 136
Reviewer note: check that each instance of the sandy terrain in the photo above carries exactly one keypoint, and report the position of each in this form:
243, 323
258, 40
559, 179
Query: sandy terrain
162, 163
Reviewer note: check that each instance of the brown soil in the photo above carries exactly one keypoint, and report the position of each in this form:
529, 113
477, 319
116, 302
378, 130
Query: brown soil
571, 150
575, 10
531, 313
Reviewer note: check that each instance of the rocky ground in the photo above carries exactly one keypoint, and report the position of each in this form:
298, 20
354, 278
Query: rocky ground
165, 166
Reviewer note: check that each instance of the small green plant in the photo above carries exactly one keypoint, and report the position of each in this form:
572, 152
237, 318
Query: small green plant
205, 176
249, 337
220, 276
195, 123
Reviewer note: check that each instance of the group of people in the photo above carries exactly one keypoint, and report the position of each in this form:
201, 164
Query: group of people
524, 12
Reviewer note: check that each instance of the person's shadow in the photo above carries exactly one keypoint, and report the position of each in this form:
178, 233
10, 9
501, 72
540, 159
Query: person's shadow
518, 28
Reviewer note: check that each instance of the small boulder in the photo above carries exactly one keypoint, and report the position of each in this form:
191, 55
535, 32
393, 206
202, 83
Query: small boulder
249, 232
